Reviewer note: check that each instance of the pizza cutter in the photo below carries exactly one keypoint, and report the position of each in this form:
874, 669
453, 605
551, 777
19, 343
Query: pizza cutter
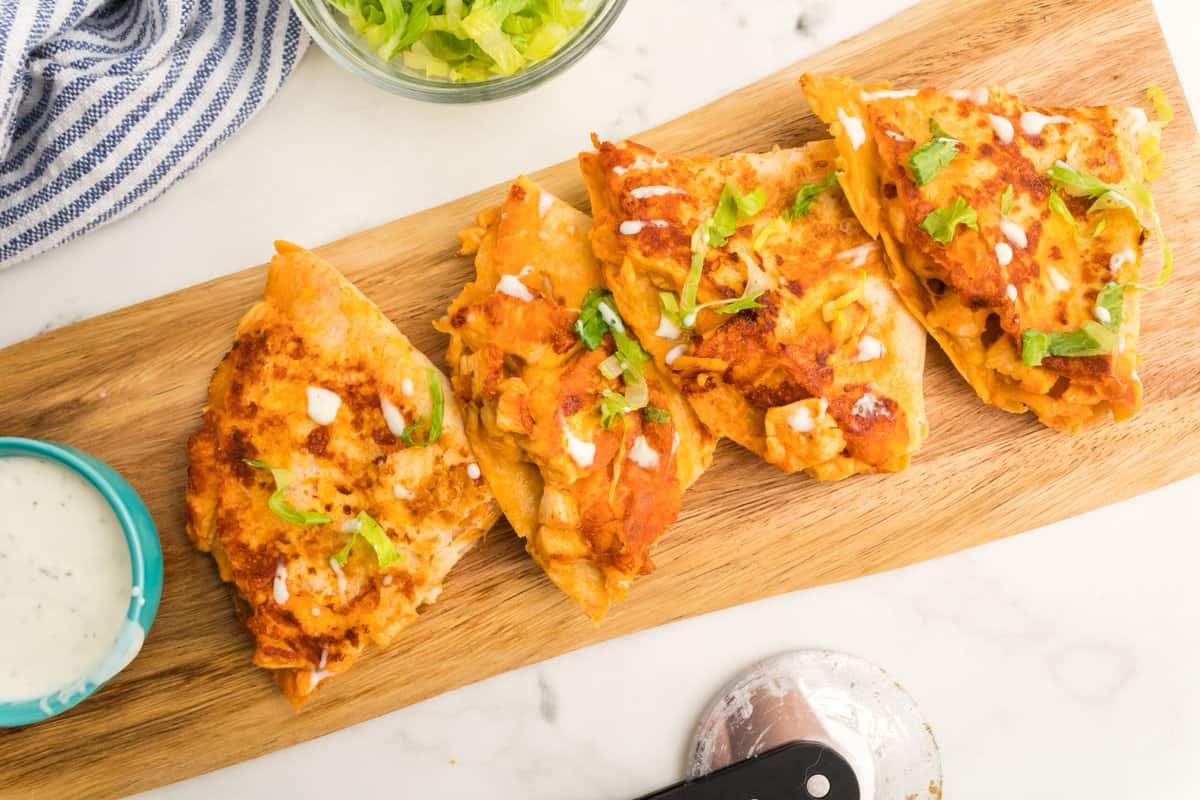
811, 725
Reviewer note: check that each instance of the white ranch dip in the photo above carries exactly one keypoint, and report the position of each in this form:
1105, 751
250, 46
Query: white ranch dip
65, 577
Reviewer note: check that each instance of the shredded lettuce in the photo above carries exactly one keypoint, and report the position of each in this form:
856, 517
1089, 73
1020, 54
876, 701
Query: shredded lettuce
1162, 109
805, 198
280, 507
1059, 207
732, 208
597, 318
436, 414
715, 230
831, 310
1092, 339
929, 159
941, 223
1097, 338
656, 415
374, 534
464, 40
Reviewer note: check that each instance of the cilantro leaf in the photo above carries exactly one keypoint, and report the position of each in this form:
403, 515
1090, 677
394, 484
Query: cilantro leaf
280, 507
929, 159
807, 195
941, 223
436, 414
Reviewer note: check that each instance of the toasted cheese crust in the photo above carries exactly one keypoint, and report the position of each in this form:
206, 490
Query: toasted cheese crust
309, 617
589, 501
832, 395
1029, 268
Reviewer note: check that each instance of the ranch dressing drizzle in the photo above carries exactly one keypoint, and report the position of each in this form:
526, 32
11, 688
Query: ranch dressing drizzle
1032, 122
642, 192
65, 579
853, 127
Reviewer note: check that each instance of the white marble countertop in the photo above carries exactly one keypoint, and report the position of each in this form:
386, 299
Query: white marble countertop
1058, 663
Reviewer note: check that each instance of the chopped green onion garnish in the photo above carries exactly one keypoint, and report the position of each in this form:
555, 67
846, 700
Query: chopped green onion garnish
278, 506
436, 415
941, 223
807, 195
374, 534
932, 157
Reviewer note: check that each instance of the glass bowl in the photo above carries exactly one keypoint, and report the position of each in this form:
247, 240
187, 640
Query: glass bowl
145, 561
331, 30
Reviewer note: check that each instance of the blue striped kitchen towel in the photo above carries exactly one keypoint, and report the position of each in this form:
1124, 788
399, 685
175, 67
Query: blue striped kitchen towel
106, 103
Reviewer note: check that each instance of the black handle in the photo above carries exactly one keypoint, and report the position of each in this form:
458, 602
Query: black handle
792, 771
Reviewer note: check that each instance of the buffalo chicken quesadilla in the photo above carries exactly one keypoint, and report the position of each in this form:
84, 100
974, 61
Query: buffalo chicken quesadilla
1015, 234
332, 481
751, 284
584, 443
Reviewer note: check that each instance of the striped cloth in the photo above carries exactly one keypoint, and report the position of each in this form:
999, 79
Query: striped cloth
104, 104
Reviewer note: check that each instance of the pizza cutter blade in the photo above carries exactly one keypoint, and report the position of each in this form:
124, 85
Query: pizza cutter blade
811, 724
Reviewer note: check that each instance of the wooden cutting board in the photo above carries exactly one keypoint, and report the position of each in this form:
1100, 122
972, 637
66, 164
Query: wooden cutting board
128, 386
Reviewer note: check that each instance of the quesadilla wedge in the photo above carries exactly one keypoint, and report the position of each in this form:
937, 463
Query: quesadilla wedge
332, 481
585, 445
752, 285
1015, 233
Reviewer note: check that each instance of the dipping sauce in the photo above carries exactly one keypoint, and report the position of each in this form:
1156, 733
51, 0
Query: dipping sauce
65, 578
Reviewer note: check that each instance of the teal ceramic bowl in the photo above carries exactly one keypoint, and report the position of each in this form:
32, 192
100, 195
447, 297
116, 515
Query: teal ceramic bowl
145, 559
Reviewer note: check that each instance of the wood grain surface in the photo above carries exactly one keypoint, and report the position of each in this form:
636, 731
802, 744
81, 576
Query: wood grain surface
128, 386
